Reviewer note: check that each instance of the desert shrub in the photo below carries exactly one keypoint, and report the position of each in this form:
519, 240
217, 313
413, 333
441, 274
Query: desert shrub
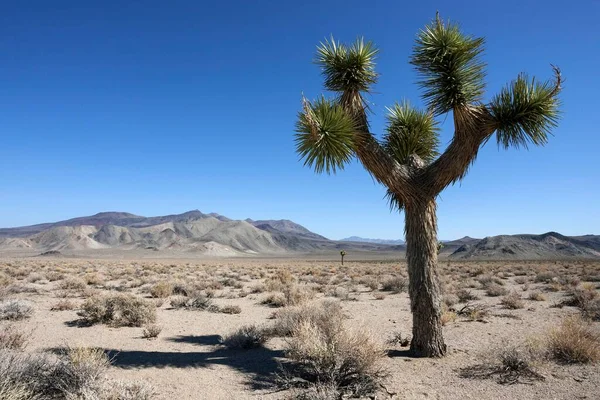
465, 295
545, 277
318, 314
509, 365
54, 276
451, 299
341, 293
74, 374
15, 310
72, 283
575, 341
275, 300
258, 288
181, 289
494, 290
474, 312
295, 295
15, 391
349, 361
46, 376
586, 299
520, 280
13, 339
537, 296
35, 277
398, 338
117, 310
151, 331
179, 301
396, 284
197, 302
93, 279
448, 316
512, 301
230, 310
246, 337
5, 280
63, 305
370, 282
161, 290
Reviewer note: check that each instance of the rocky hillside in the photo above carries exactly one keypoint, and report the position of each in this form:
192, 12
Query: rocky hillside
549, 245
193, 231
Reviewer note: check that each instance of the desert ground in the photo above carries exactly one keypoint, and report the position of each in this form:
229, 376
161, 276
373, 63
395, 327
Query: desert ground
513, 328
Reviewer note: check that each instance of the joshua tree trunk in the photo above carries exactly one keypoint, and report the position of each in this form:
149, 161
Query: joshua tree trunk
424, 287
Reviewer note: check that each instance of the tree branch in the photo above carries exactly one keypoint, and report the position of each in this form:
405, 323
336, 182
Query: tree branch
473, 128
371, 154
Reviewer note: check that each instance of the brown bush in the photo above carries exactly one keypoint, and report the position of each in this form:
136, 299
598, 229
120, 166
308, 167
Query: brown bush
246, 337
512, 301
161, 290
117, 310
575, 341
11, 338
494, 290
396, 284
325, 353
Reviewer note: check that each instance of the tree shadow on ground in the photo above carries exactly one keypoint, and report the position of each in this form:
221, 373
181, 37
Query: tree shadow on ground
260, 365
404, 353
205, 340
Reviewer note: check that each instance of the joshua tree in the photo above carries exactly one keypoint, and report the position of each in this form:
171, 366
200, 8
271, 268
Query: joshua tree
342, 253
405, 159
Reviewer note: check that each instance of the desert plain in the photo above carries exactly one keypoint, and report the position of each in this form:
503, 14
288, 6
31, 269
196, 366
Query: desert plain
493, 310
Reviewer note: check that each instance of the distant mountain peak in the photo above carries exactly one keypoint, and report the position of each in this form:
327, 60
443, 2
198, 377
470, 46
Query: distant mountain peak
377, 241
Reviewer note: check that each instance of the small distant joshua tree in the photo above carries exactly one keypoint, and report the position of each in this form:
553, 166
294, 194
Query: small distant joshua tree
342, 253
405, 159
440, 247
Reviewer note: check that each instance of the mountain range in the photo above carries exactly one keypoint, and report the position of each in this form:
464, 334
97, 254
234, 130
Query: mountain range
377, 241
197, 234
191, 232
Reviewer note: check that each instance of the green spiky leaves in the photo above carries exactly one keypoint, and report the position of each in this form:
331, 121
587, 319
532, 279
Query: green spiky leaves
410, 131
448, 62
325, 135
347, 69
525, 111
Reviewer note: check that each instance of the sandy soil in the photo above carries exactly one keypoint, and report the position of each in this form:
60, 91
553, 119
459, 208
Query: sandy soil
187, 361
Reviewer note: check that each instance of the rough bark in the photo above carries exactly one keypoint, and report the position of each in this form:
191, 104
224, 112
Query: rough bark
424, 287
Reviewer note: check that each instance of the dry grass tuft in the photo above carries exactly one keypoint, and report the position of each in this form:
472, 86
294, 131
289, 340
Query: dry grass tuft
537, 296
246, 337
508, 365
494, 290
63, 305
574, 342
117, 310
15, 310
325, 354
230, 309
512, 301
396, 284
13, 339
328, 311
162, 290
151, 331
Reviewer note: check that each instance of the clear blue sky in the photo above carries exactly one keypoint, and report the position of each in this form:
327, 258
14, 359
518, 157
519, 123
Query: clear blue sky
160, 107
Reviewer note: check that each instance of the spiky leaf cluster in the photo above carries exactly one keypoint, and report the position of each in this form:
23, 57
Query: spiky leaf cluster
325, 135
525, 111
411, 131
347, 69
451, 71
